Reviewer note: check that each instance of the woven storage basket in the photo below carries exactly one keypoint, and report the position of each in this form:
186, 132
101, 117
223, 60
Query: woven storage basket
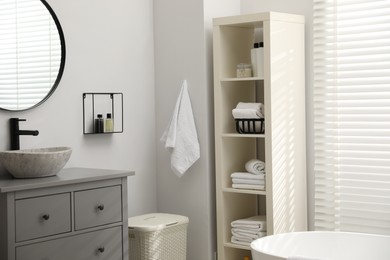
158, 236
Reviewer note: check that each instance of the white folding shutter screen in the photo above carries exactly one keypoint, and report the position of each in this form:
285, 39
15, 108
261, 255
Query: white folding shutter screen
30, 53
352, 115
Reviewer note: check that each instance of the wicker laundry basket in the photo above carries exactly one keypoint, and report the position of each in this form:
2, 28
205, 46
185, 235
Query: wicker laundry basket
158, 236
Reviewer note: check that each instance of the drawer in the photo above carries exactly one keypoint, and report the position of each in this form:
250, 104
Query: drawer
42, 216
97, 207
102, 245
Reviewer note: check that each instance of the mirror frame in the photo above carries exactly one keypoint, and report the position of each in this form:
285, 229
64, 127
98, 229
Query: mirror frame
62, 63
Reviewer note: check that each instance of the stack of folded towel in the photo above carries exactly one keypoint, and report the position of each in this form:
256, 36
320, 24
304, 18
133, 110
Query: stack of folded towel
253, 179
244, 231
248, 110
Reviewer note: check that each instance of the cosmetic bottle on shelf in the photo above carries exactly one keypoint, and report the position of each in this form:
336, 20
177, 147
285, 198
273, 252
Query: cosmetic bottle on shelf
257, 59
99, 124
108, 124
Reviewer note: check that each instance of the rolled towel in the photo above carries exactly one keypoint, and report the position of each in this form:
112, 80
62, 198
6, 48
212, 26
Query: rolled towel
247, 175
248, 186
255, 222
248, 181
255, 166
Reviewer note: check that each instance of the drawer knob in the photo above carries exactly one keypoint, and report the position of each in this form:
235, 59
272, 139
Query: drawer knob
100, 207
46, 217
101, 249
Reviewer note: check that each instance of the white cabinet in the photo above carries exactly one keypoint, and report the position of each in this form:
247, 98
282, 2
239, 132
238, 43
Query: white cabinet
78, 214
282, 146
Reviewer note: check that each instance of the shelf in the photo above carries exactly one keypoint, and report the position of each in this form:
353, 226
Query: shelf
233, 135
255, 192
109, 106
282, 144
240, 79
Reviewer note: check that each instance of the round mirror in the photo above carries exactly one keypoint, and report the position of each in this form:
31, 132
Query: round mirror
32, 53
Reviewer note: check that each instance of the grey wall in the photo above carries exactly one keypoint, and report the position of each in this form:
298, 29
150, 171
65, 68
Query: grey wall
183, 51
109, 49
303, 7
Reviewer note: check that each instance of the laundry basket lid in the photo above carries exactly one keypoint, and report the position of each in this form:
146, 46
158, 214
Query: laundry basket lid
155, 221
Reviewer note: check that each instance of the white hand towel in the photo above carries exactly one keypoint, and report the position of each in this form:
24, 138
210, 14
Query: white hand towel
255, 166
180, 137
247, 175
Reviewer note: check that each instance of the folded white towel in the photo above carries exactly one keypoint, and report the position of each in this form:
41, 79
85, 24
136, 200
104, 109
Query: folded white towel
246, 235
246, 105
248, 181
246, 113
180, 137
248, 186
255, 166
250, 231
237, 241
255, 222
301, 258
248, 110
247, 175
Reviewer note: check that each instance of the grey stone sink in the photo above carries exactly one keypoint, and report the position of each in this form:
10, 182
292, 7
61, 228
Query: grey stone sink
35, 163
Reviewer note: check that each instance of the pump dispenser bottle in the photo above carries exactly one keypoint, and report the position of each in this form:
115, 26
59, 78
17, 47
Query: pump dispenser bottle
257, 59
99, 124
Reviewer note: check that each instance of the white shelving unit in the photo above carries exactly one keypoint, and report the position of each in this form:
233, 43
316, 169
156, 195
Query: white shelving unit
282, 146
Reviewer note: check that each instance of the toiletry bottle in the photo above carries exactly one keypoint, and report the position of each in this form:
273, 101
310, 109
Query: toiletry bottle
257, 59
109, 124
99, 124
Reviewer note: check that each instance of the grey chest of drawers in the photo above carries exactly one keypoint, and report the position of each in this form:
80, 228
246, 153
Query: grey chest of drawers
80, 214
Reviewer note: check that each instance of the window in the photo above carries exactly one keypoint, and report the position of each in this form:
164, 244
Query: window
352, 115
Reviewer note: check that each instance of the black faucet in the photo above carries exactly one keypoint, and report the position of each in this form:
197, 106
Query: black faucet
15, 133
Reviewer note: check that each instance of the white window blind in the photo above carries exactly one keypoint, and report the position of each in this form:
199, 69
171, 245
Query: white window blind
352, 115
30, 53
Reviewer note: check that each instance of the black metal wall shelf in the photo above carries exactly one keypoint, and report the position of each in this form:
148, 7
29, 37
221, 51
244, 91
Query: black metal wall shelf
106, 105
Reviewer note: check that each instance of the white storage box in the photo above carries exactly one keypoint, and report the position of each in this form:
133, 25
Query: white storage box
158, 236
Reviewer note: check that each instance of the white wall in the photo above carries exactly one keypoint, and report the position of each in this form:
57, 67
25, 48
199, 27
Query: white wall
109, 48
303, 7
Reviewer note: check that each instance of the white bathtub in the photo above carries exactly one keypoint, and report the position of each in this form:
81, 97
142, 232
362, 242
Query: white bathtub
322, 246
